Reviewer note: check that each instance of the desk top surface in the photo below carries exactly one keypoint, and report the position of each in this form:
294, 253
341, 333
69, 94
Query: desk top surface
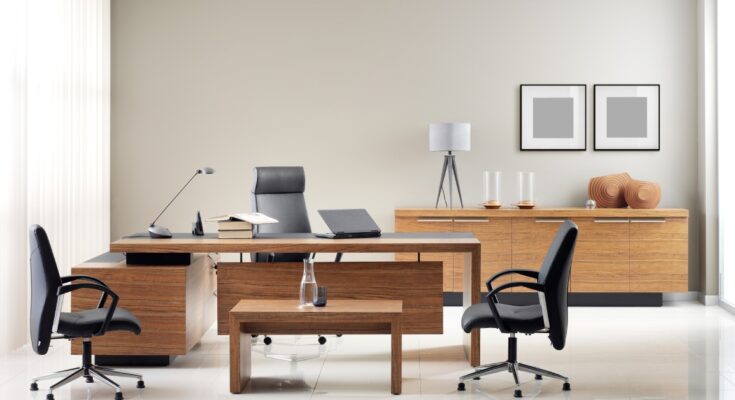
300, 243
336, 306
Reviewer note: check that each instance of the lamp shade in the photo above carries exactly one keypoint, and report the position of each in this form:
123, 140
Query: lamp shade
449, 136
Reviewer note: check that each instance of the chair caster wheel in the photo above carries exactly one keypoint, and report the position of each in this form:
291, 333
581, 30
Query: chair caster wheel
140, 385
477, 378
34, 387
339, 335
538, 377
50, 396
267, 340
517, 394
118, 396
322, 340
460, 387
566, 387
89, 379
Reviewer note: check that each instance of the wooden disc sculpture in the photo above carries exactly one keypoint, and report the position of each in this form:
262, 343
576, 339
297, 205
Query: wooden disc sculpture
609, 191
642, 194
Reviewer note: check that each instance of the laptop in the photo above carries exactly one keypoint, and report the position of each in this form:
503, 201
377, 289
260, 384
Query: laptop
345, 224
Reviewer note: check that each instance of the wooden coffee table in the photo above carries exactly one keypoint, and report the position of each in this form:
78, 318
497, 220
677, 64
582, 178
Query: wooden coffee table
285, 317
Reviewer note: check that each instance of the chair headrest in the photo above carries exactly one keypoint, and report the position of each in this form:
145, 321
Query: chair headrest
269, 180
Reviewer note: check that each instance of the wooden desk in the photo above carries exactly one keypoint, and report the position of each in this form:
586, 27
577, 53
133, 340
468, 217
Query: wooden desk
286, 317
415, 283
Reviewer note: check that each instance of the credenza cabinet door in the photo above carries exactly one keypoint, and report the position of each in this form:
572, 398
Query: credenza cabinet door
659, 255
601, 256
430, 224
494, 234
530, 240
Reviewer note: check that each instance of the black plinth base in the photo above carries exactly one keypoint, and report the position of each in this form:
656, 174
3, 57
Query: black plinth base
158, 258
575, 299
133, 361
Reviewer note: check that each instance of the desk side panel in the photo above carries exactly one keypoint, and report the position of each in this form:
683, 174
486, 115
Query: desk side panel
157, 295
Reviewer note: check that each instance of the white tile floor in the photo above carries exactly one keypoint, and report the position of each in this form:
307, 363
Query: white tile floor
679, 351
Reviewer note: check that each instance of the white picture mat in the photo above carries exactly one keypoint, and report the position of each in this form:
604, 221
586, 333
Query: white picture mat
603, 142
577, 141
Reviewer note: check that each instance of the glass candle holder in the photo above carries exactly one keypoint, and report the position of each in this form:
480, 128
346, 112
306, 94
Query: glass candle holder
492, 189
525, 189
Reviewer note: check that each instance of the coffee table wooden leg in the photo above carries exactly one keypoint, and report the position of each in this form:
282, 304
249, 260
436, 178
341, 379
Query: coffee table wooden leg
396, 356
240, 363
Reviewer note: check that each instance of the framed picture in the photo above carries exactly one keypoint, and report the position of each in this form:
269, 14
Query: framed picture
627, 117
553, 117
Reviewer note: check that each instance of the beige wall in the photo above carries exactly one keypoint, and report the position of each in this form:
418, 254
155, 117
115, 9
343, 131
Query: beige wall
347, 88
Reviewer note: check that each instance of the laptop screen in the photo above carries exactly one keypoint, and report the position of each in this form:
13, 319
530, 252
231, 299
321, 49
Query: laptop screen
349, 221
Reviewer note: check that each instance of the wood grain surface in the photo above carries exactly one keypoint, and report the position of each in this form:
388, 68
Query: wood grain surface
418, 285
286, 317
175, 305
618, 250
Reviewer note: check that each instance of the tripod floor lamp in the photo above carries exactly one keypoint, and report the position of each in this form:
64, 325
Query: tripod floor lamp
449, 137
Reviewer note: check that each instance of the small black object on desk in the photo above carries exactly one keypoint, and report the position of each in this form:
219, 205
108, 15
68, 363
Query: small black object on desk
321, 296
197, 227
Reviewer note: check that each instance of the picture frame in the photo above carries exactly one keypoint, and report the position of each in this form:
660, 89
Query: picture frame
627, 117
553, 117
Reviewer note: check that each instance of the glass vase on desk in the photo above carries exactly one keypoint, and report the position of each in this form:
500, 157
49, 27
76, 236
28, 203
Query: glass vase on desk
308, 284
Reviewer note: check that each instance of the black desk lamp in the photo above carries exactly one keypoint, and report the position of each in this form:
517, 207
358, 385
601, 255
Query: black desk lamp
163, 232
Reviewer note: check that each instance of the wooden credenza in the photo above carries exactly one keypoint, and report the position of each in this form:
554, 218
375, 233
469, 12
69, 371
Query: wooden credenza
618, 250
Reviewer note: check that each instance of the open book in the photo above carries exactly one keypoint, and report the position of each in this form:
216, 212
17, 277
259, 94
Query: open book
252, 218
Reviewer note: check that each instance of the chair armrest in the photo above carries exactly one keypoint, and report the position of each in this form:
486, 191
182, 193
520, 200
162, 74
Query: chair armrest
525, 272
94, 286
70, 278
491, 299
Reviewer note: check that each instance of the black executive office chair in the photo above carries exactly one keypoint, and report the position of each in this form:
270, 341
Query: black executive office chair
549, 316
46, 318
278, 192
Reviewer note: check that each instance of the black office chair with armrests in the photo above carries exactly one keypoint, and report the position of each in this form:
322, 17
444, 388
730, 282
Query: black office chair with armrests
46, 318
549, 316
278, 192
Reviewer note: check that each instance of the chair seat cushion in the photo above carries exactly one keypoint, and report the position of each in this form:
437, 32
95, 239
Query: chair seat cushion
86, 323
524, 319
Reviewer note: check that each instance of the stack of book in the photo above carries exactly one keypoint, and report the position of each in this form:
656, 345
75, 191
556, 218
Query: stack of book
239, 226
234, 229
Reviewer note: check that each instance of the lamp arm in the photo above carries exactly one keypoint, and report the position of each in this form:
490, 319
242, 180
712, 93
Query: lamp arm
177, 195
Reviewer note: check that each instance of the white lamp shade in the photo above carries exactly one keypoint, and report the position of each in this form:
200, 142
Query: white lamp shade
449, 136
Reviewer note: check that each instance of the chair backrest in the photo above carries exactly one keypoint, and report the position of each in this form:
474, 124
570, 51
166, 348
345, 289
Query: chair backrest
278, 192
554, 276
45, 281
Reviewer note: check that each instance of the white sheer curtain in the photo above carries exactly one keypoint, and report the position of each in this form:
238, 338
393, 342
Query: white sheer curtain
54, 141
726, 145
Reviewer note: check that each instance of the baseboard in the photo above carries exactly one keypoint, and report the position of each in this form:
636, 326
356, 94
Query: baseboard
708, 299
727, 306
680, 296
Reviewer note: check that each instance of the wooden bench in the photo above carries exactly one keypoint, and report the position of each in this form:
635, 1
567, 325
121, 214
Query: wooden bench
285, 317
